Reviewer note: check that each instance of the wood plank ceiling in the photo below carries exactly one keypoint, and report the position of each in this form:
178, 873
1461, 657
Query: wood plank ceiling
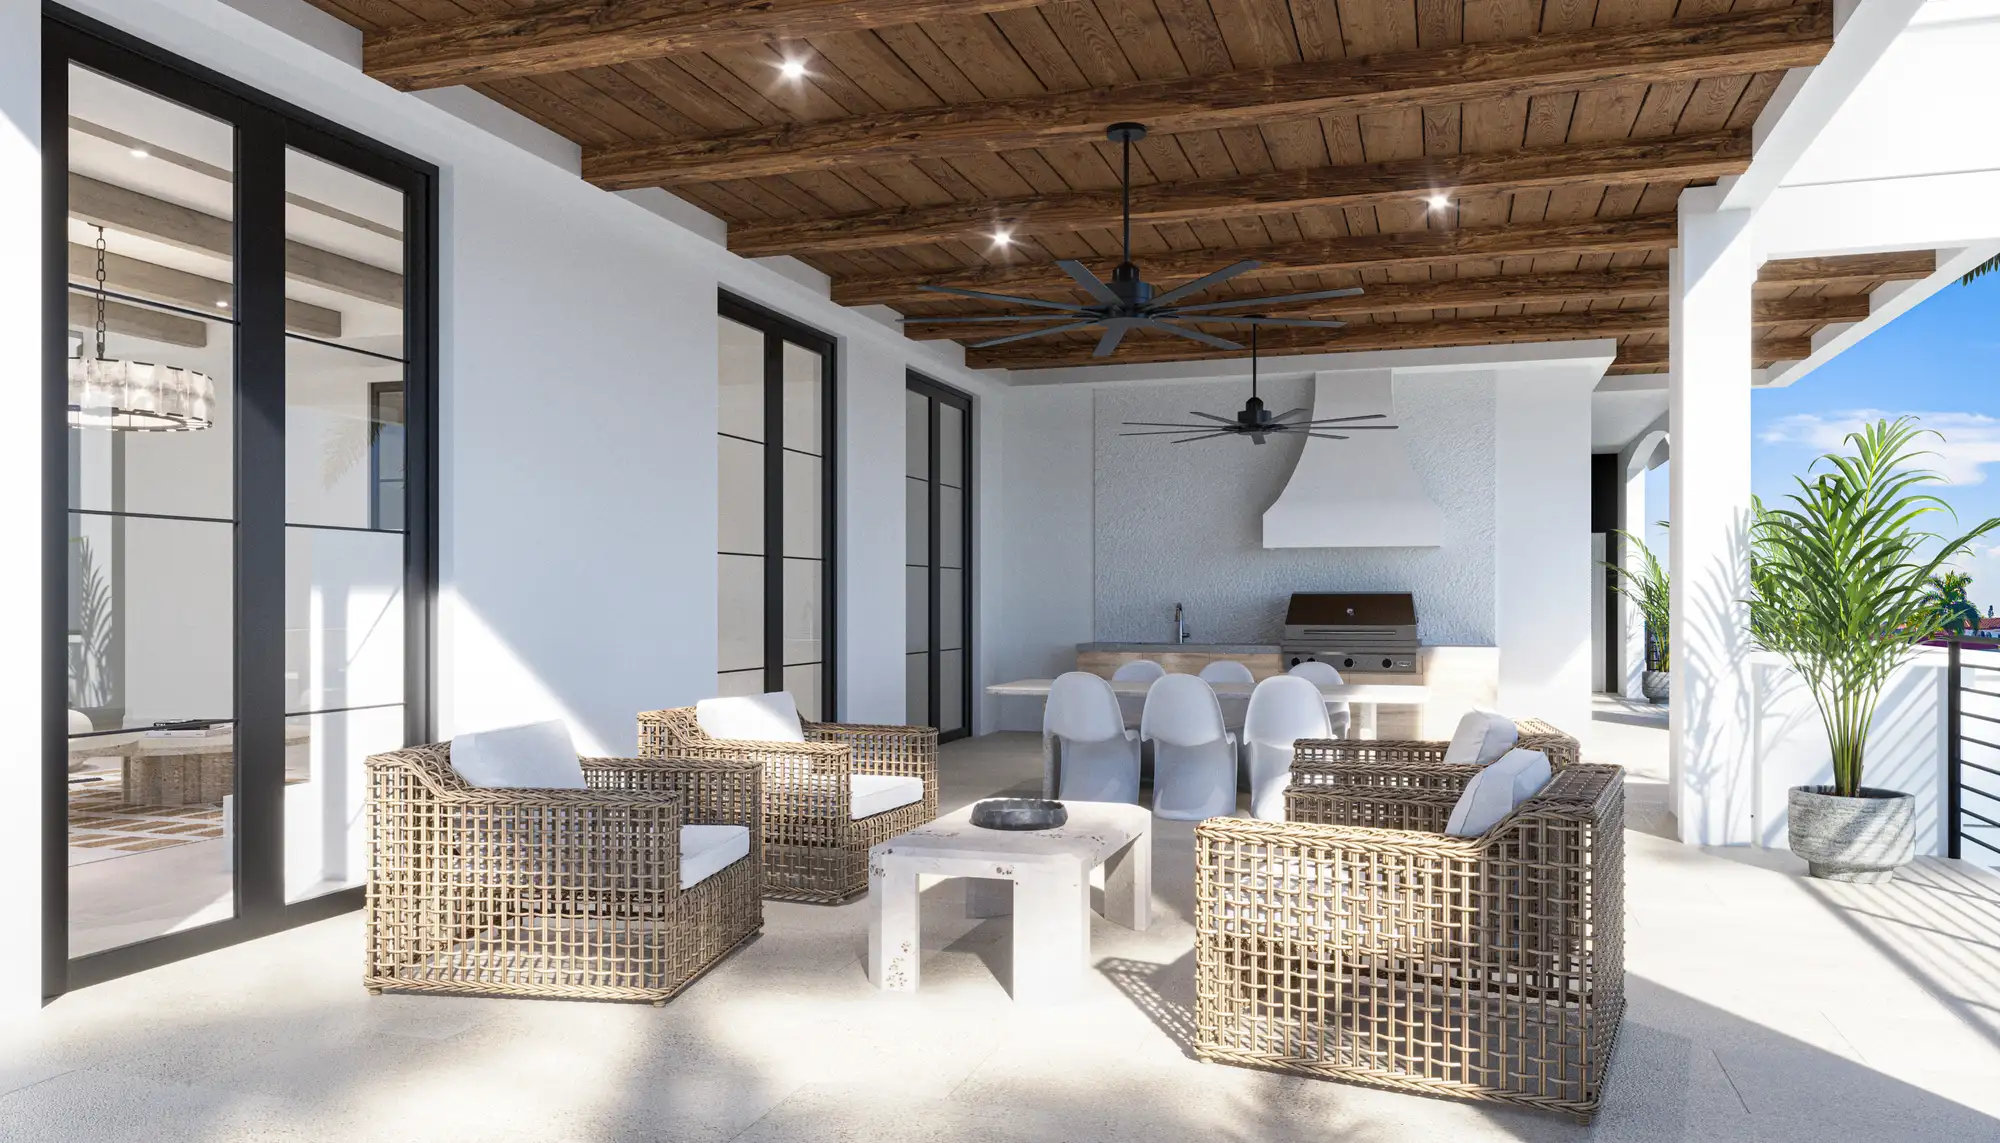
1308, 134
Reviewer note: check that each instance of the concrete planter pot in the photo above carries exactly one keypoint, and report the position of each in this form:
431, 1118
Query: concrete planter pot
1655, 686
1863, 839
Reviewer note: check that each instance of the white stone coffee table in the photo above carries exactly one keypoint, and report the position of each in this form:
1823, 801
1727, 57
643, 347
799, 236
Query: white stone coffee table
1041, 876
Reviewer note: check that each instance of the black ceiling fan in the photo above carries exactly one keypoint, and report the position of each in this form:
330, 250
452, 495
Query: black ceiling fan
1128, 302
1255, 421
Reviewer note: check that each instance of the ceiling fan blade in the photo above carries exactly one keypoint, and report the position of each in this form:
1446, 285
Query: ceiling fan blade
1091, 283
1361, 417
1010, 299
1034, 333
1174, 425
1114, 332
1347, 428
1204, 282
1176, 433
1212, 416
1288, 414
940, 319
1191, 334
1237, 303
1326, 436
1203, 437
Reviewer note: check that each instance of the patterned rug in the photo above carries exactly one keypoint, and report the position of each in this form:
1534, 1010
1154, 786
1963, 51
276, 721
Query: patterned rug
99, 819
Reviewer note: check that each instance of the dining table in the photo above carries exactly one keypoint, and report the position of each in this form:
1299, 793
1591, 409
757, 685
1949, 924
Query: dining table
1362, 699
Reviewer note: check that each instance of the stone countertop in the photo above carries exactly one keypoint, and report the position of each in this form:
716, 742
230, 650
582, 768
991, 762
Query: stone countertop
1183, 648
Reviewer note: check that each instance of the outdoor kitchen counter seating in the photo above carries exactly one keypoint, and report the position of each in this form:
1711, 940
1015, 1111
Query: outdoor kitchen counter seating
1359, 941
828, 798
1414, 765
628, 888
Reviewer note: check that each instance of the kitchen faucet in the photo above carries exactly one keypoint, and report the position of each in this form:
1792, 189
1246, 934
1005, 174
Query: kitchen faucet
1180, 623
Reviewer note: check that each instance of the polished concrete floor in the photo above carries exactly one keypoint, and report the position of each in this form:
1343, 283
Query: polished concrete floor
1763, 1007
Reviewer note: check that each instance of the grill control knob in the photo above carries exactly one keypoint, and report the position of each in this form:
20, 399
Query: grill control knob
1295, 660
1347, 662
1388, 663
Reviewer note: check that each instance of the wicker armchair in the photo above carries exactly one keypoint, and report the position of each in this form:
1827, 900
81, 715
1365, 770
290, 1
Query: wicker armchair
554, 893
1409, 765
1359, 942
813, 849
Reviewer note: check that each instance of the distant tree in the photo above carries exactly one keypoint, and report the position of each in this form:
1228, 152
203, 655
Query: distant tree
1955, 611
1981, 270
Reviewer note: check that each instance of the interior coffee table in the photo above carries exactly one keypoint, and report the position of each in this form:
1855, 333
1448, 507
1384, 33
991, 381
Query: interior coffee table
1041, 876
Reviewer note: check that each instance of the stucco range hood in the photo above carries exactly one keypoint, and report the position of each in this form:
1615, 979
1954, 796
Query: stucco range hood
1356, 493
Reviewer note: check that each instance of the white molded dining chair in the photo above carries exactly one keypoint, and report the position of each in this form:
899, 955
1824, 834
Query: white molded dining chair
1194, 755
1233, 706
1099, 755
1338, 717
1283, 710
1136, 671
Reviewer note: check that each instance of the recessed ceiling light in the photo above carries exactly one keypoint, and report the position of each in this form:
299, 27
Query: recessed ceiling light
140, 153
1439, 200
792, 69
1003, 236
222, 305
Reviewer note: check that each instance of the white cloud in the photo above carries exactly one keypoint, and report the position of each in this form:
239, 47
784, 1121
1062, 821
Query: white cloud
1971, 440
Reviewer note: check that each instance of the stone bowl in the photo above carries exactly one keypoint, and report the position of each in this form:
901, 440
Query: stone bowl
1863, 839
1018, 814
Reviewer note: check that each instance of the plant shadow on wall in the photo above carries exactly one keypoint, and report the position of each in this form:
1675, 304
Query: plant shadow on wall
1840, 591
90, 642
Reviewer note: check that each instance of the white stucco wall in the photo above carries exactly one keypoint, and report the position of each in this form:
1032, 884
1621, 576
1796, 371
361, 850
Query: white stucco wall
1182, 522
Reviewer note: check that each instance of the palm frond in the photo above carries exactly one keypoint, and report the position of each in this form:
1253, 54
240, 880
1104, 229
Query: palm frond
1980, 271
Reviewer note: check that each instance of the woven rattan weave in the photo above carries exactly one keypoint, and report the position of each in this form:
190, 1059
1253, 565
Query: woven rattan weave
1406, 765
554, 893
1358, 942
813, 850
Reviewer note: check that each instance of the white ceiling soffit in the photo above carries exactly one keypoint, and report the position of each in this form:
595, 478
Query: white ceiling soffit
1356, 493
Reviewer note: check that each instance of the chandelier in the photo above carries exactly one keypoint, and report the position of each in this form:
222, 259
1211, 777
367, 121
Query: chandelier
134, 396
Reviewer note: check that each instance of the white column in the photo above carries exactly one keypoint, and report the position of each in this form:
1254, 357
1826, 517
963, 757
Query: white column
1542, 573
1709, 403
22, 639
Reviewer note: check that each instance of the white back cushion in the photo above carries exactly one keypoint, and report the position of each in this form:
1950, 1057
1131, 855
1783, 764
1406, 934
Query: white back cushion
751, 718
1497, 791
537, 756
1481, 737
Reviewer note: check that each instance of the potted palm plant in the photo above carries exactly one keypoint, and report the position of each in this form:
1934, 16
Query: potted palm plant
1840, 588
1647, 587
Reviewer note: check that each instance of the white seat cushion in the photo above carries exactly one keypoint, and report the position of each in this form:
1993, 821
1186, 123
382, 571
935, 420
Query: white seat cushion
751, 718
538, 756
1497, 791
879, 793
1481, 737
707, 850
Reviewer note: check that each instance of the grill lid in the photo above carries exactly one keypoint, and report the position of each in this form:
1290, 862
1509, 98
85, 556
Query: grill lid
1352, 609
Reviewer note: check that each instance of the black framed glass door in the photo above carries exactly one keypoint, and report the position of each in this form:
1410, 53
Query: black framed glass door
776, 510
938, 563
239, 412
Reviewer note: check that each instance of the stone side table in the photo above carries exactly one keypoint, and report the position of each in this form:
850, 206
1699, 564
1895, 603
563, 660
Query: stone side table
1041, 876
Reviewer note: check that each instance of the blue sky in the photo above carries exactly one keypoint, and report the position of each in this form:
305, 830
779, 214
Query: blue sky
1940, 363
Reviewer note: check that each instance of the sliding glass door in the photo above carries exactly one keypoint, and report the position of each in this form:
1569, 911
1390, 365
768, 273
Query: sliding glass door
239, 389
775, 501
938, 561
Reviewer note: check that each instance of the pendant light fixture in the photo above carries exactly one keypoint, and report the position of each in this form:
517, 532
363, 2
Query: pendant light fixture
134, 396
1254, 420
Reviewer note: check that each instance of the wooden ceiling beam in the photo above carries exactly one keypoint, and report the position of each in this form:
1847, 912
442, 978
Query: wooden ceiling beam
1653, 358
1621, 162
156, 283
1140, 348
1402, 297
1359, 252
1853, 268
134, 321
1729, 45
571, 35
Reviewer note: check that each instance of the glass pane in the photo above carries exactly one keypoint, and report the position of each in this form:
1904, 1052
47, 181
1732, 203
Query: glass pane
740, 612
804, 498
803, 681
344, 642
343, 437
917, 435
951, 692
740, 516
151, 639
951, 445
917, 697
344, 261
804, 382
803, 605
951, 527
169, 473
951, 611
735, 684
917, 511
326, 796
741, 410
917, 609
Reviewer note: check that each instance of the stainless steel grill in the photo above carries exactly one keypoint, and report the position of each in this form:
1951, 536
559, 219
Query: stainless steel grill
1352, 631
